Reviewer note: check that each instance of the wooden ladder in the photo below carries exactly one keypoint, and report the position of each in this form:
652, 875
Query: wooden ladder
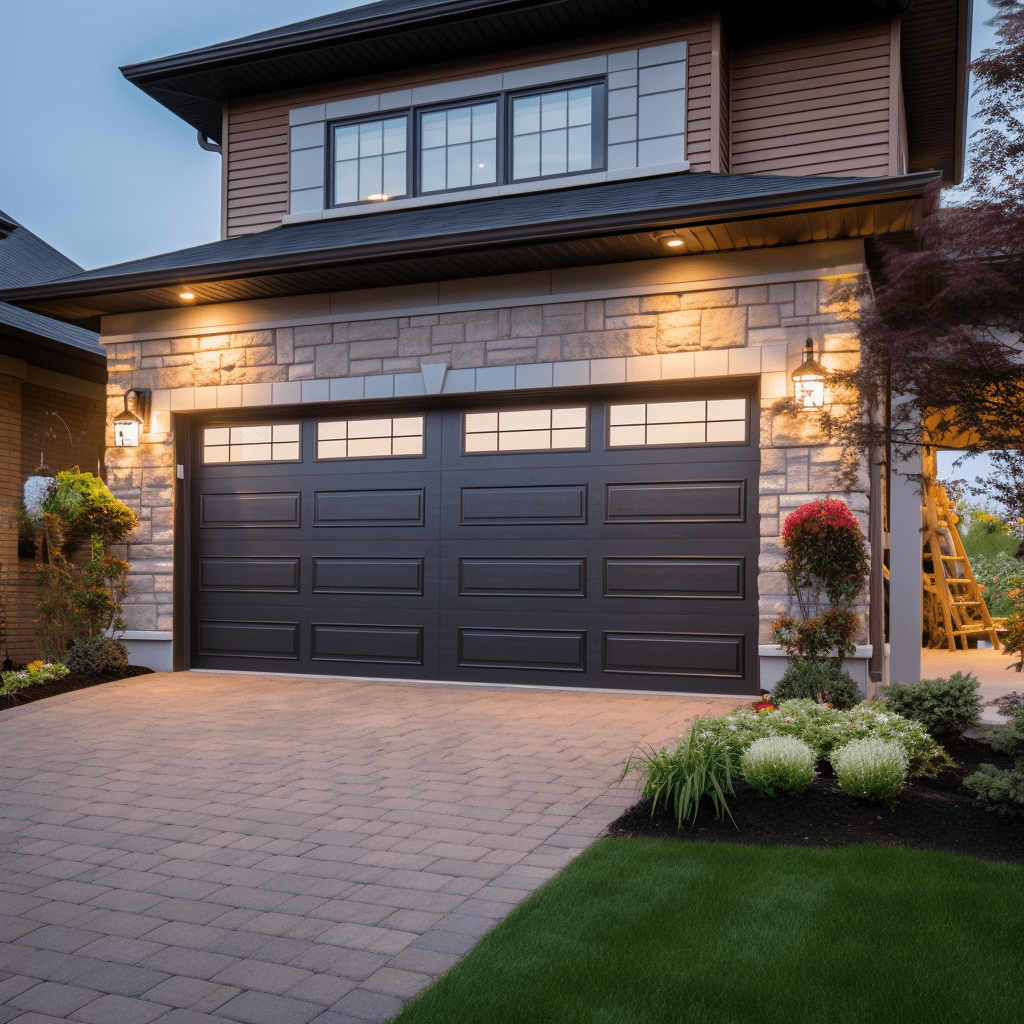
954, 607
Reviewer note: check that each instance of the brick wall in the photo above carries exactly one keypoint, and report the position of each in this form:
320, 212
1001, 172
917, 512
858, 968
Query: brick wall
674, 333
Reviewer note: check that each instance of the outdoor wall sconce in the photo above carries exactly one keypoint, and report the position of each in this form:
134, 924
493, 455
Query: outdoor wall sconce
133, 419
809, 380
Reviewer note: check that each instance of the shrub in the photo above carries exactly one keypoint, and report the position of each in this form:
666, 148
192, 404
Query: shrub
822, 681
826, 550
825, 730
1002, 790
945, 707
992, 573
778, 764
34, 672
96, 654
871, 769
700, 766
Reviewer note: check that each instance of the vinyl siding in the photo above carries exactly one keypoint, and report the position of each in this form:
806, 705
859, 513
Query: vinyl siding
816, 104
256, 193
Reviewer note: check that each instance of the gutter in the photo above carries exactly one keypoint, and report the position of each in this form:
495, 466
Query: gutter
859, 193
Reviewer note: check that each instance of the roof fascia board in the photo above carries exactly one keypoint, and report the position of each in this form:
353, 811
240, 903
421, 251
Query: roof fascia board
861, 192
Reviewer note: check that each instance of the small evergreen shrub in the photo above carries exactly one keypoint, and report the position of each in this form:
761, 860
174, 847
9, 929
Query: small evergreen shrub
818, 680
778, 764
871, 769
945, 707
96, 654
1002, 790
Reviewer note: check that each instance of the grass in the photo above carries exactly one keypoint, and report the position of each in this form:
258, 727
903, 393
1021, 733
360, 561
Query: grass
663, 932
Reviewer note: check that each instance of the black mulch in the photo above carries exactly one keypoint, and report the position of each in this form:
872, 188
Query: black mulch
931, 814
70, 683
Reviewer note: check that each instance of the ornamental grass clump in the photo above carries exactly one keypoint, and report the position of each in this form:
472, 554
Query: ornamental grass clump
680, 779
778, 764
871, 769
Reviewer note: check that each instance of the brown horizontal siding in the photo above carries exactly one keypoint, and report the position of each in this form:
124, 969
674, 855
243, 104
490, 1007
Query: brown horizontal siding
257, 133
813, 105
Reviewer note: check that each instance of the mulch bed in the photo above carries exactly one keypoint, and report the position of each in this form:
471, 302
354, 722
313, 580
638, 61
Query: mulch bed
931, 814
75, 681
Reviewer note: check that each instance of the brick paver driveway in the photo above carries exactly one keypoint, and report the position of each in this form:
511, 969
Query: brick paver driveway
196, 847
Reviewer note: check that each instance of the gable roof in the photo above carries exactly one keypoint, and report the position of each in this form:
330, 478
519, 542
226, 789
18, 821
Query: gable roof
604, 223
25, 259
396, 34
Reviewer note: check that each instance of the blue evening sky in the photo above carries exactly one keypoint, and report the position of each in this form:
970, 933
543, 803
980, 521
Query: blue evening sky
94, 166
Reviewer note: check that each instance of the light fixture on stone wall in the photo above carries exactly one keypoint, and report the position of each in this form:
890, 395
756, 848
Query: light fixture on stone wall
133, 419
809, 380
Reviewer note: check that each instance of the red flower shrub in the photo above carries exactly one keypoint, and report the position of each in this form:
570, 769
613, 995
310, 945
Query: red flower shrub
826, 550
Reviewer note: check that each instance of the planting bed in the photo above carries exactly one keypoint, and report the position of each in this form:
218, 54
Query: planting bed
931, 814
75, 681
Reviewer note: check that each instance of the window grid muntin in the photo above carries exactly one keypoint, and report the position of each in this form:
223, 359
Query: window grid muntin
503, 159
357, 125
549, 428
374, 437
546, 125
676, 423
250, 443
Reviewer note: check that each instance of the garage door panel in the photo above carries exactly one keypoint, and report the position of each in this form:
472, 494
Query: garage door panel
523, 505
676, 501
702, 577
219, 638
522, 577
250, 574
227, 510
524, 649
368, 643
683, 655
370, 507
363, 576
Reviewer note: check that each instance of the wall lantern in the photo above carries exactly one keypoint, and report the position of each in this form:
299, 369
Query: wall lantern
809, 380
133, 419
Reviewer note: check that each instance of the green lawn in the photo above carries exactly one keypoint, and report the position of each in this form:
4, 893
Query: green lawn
660, 931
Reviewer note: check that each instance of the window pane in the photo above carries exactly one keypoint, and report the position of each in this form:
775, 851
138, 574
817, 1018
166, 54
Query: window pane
569, 417
407, 445
526, 157
331, 431
394, 135
433, 170
346, 182
371, 178
525, 419
675, 412
526, 115
369, 428
218, 454
481, 442
346, 142
580, 105
476, 421
250, 435
369, 447
251, 453
286, 432
216, 435
407, 425
394, 174
581, 156
553, 110
627, 436
459, 173
524, 440
727, 430
286, 451
728, 409
459, 124
485, 121
627, 414
332, 449
371, 138
485, 164
432, 129
553, 152
675, 433
568, 438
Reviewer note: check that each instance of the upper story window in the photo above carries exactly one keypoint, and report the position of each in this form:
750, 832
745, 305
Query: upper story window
554, 132
490, 141
371, 160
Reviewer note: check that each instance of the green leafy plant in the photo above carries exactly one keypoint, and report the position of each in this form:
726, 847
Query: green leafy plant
871, 769
992, 572
821, 681
680, 779
815, 639
945, 707
825, 730
778, 764
1002, 789
96, 654
34, 672
79, 600
1013, 642
826, 551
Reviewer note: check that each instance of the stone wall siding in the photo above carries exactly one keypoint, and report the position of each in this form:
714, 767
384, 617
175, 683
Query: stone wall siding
210, 371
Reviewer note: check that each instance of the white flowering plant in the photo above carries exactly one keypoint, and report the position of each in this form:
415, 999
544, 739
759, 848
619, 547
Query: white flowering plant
824, 730
778, 764
871, 769
36, 672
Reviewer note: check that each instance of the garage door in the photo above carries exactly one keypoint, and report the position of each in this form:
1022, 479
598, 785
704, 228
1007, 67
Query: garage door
607, 542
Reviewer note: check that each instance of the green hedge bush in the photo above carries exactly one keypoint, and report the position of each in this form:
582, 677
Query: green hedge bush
945, 707
824, 680
96, 654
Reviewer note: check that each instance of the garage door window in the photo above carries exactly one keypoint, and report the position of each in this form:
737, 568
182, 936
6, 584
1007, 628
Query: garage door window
526, 430
718, 421
266, 442
369, 439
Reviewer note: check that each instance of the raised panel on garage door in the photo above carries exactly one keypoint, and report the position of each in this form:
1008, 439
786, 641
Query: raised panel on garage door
329, 564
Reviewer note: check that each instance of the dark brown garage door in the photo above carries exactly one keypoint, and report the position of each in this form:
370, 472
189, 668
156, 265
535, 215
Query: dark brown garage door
609, 543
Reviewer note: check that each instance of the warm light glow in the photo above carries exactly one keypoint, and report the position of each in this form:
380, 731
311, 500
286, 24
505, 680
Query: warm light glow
186, 294
378, 197
675, 243
809, 380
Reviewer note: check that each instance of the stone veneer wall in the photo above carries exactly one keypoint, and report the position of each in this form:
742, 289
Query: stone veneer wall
672, 335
